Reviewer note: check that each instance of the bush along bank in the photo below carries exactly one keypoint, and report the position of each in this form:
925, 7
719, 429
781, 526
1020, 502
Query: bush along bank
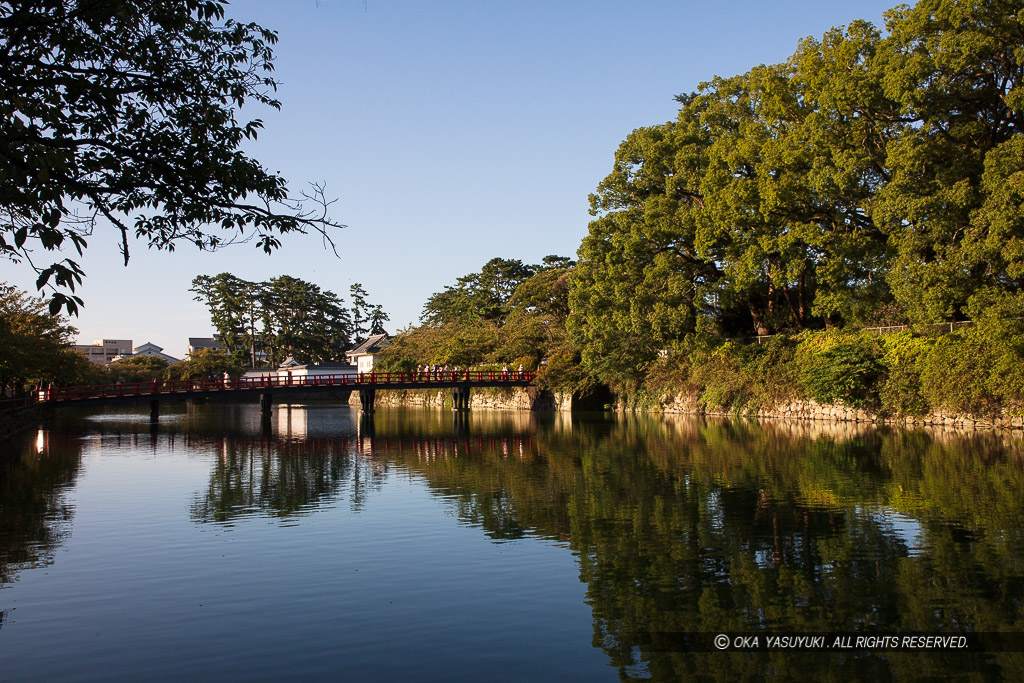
972, 377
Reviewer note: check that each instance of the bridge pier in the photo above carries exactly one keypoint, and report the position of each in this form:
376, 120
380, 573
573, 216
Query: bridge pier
460, 398
266, 401
154, 410
366, 398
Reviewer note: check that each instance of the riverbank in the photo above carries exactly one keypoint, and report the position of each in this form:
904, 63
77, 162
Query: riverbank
688, 403
805, 410
496, 398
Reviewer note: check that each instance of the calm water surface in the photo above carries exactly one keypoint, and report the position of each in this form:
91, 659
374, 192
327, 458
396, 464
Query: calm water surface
497, 546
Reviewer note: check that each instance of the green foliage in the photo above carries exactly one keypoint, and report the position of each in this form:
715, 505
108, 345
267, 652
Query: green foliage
867, 180
367, 319
951, 201
901, 392
137, 369
975, 372
720, 378
841, 370
745, 378
283, 317
127, 111
35, 346
206, 364
478, 296
459, 344
564, 371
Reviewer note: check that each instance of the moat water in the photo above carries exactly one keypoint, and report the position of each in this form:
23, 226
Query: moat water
497, 546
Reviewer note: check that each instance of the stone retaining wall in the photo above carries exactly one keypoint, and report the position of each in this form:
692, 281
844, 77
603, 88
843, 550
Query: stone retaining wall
511, 398
811, 410
531, 398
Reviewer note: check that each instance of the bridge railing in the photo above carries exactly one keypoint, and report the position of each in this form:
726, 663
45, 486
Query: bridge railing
183, 386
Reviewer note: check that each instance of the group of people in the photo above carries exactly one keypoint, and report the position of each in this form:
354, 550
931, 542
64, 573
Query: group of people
504, 371
434, 371
437, 372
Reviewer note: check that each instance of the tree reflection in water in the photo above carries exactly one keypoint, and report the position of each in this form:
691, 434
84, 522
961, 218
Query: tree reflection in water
679, 525
35, 515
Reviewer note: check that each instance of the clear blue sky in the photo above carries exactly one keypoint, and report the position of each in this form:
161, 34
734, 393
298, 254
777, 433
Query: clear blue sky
451, 132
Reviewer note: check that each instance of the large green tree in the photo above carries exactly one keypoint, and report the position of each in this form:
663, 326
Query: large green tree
35, 346
478, 296
952, 205
868, 179
304, 321
367, 319
265, 322
640, 282
238, 312
122, 114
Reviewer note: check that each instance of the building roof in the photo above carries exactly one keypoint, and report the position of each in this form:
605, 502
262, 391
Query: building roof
373, 344
203, 343
290, 362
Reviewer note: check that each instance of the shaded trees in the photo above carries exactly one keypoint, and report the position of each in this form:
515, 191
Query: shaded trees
284, 316
137, 369
36, 346
125, 112
206, 364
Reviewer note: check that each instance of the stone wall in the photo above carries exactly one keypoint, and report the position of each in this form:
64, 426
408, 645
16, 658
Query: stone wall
506, 398
532, 398
810, 410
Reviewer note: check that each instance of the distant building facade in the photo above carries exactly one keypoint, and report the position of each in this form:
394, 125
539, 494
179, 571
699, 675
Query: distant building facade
292, 369
362, 355
105, 350
196, 343
151, 349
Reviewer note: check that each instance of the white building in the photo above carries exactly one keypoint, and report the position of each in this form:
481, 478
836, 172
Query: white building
362, 355
151, 349
105, 350
294, 370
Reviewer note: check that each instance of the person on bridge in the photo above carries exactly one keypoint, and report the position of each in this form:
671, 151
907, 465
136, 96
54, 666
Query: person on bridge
520, 371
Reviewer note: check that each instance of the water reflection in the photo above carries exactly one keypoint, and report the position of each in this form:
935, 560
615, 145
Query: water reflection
35, 514
679, 525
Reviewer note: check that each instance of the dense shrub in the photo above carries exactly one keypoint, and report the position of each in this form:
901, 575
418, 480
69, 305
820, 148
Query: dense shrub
772, 370
746, 377
720, 378
845, 370
900, 391
977, 372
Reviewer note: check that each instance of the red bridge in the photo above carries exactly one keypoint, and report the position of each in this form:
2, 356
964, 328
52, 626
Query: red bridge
365, 383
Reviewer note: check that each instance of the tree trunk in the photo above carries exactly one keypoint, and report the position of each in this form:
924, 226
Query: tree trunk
760, 325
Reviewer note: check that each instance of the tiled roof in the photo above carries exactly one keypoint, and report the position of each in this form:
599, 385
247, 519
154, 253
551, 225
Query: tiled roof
371, 345
204, 343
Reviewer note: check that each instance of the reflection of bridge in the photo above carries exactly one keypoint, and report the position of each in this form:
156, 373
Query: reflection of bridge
366, 384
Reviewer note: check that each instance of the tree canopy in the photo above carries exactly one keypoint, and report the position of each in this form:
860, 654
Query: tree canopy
265, 322
478, 296
869, 179
508, 313
124, 112
36, 346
